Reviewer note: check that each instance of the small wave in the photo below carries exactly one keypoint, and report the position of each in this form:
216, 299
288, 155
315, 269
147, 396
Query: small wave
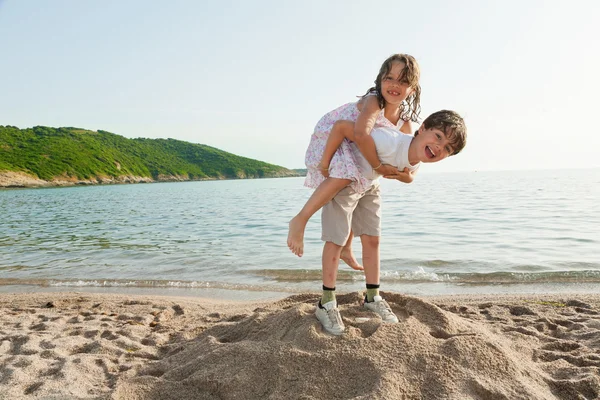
574, 239
586, 276
124, 283
419, 275
289, 280
12, 268
436, 263
494, 278
297, 275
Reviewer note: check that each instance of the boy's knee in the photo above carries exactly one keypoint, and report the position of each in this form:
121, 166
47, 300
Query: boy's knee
331, 246
332, 251
370, 241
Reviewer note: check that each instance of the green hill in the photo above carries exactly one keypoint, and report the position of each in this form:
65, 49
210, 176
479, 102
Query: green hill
62, 155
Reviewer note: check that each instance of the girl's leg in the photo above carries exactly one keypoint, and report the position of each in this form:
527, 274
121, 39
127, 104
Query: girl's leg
325, 192
321, 196
347, 255
341, 130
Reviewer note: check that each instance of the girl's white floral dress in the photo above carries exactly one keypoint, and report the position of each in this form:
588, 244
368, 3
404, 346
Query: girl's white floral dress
343, 163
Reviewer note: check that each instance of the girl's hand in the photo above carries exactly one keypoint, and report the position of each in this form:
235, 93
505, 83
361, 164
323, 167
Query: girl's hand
324, 169
405, 176
387, 170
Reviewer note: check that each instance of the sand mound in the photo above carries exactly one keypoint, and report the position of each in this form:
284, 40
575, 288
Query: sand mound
488, 351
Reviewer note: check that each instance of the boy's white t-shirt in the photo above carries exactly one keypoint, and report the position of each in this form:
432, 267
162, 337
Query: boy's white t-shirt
392, 148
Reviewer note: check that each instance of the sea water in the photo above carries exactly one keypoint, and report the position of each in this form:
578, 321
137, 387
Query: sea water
446, 233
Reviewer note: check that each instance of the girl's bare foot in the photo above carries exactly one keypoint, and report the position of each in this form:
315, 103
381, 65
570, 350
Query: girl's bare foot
295, 240
347, 256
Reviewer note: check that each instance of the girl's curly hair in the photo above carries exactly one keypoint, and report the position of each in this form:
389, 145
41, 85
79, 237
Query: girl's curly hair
411, 107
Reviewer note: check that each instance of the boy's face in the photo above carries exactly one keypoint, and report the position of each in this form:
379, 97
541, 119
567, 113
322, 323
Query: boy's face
432, 145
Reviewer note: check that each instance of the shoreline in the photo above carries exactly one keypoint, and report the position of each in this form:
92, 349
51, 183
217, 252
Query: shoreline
184, 293
22, 180
267, 291
132, 346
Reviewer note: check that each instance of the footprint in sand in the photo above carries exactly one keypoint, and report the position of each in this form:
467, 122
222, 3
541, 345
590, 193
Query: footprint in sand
44, 344
32, 388
563, 346
18, 345
55, 369
39, 327
109, 335
178, 309
92, 334
49, 355
520, 310
109, 377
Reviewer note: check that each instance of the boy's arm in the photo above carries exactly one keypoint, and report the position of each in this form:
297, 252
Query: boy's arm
369, 110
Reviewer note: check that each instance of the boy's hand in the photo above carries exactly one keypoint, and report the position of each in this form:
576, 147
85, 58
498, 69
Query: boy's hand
387, 170
324, 169
405, 176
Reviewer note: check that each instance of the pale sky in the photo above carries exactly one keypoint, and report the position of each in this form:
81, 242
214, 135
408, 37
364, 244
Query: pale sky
253, 77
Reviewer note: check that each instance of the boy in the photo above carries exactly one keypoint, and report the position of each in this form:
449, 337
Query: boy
441, 135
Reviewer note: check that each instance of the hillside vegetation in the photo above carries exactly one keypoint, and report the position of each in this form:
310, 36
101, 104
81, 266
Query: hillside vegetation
83, 156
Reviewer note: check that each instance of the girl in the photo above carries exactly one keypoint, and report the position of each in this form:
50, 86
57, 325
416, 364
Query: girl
393, 102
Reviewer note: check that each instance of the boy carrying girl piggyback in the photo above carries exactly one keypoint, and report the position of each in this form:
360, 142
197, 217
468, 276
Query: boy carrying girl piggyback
350, 149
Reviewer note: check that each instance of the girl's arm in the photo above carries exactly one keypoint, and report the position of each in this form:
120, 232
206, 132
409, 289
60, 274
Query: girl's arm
369, 110
341, 130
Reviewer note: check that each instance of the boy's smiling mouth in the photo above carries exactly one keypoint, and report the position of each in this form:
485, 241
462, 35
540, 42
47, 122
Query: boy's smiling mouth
428, 152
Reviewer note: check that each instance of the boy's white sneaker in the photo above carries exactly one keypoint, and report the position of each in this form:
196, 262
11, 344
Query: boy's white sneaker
329, 316
382, 308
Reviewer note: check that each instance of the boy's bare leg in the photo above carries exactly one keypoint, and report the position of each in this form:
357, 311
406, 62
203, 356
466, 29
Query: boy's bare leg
341, 130
327, 311
330, 262
347, 255
321, 196
370, 246
373, 300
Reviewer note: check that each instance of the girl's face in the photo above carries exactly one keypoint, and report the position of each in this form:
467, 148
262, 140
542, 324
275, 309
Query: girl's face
394, 86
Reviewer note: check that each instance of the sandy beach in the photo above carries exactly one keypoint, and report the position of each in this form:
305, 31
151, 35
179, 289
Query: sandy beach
109, 346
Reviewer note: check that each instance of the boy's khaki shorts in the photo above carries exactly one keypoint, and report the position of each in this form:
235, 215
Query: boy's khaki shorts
360, 212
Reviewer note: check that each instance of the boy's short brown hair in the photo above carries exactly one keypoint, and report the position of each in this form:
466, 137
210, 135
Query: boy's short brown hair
452, 125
